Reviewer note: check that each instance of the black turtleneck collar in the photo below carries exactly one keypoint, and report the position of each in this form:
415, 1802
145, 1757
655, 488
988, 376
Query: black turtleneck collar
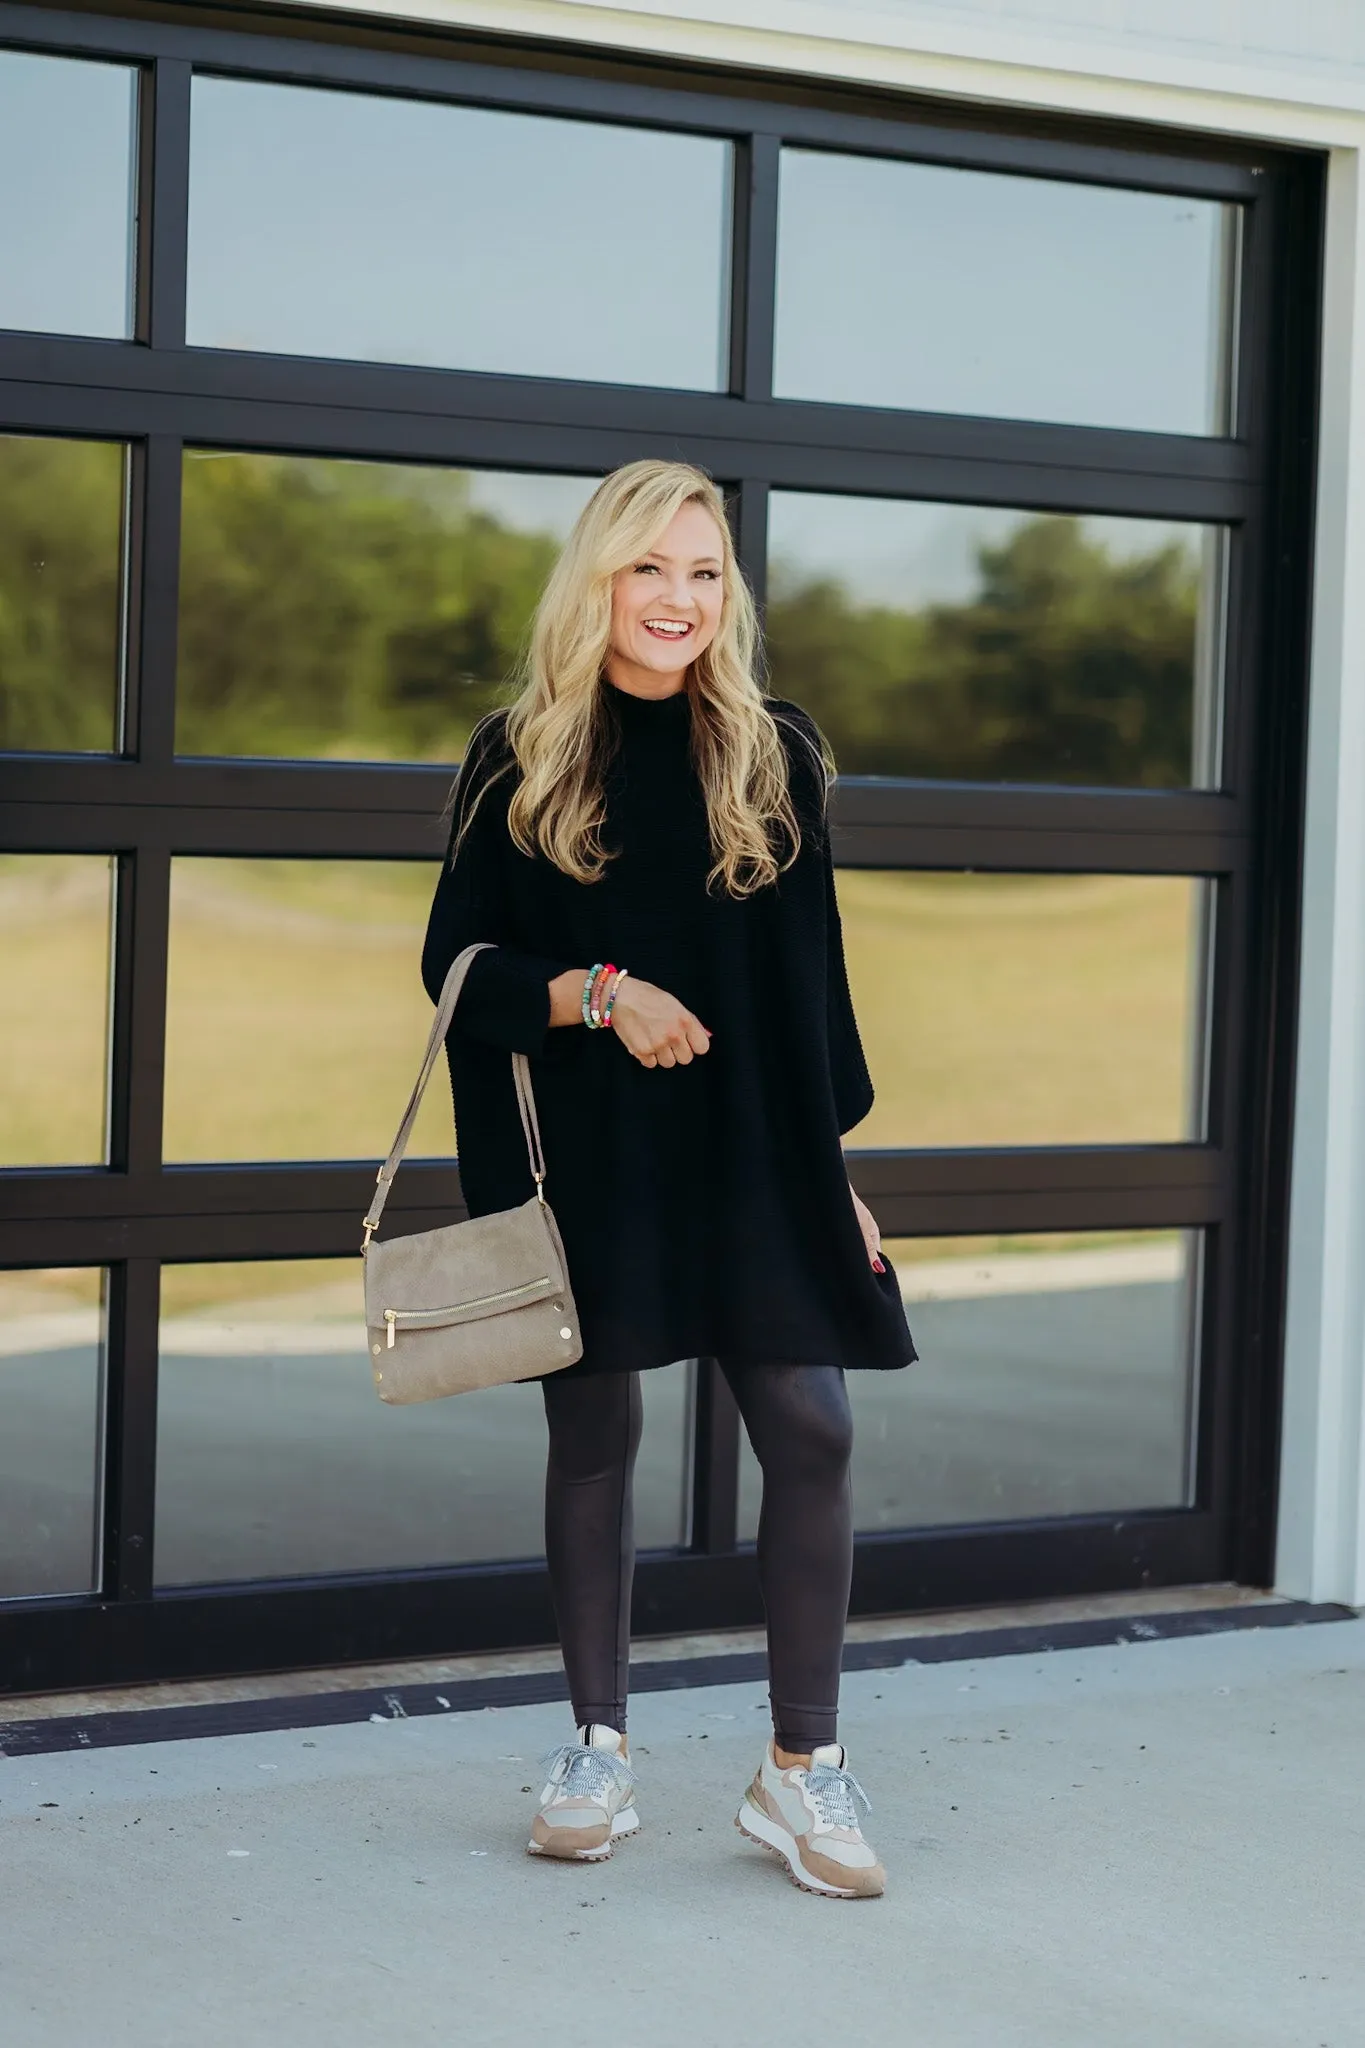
648, 713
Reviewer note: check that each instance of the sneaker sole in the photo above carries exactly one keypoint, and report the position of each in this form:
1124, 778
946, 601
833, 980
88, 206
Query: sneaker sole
627, 1822
767, 1833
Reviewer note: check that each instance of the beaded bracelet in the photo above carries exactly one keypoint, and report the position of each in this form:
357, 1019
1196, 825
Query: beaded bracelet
587, 995
600, 980
612, 994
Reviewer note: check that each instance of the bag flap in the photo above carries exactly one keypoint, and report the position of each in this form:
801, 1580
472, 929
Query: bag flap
483, 1267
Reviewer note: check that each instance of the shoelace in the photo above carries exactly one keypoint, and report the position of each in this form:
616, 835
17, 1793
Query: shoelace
837, 1795
583, 1773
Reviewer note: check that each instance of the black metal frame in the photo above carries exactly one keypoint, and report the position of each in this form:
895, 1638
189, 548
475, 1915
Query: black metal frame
157, 396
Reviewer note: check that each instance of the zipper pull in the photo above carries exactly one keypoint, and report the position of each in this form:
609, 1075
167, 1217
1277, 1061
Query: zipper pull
391, 1317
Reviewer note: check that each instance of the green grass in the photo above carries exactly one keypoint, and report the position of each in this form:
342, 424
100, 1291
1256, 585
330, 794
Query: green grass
54, 997
1021, 1010
295, 1016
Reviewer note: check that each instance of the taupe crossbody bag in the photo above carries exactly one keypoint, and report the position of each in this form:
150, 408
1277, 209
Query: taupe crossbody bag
475, 1304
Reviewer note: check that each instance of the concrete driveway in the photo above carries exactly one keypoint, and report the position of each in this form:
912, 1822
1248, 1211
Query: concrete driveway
1157, 1846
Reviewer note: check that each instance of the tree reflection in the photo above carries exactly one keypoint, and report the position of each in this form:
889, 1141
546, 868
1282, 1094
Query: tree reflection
348, 610
1066, 665
61, 579
344, 609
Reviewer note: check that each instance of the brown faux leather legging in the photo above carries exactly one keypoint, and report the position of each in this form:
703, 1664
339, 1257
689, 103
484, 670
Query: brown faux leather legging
801, 1429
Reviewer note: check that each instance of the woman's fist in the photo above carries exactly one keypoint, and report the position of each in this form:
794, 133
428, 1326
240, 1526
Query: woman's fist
655, 1026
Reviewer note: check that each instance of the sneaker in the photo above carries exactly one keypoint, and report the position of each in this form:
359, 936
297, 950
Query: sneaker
809, 1817
589, 1799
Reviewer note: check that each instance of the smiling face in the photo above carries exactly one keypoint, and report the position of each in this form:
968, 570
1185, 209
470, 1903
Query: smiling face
666, 607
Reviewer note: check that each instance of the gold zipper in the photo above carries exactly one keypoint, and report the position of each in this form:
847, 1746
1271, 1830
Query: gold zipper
433, 1318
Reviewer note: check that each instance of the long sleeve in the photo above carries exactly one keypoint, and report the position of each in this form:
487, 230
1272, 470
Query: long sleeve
852, 1084
506, 997
853, 1092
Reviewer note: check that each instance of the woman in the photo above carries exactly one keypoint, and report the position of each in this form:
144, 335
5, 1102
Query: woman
643, 838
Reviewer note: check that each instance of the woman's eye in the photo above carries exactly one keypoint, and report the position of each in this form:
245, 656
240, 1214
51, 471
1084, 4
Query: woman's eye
646, 568
709, 575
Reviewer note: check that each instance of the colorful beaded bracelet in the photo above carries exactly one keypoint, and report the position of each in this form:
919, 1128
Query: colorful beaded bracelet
612, 994
587, 995
600, 980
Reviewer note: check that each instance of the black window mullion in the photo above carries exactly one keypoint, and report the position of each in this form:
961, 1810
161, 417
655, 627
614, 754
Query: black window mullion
1225, 1004
1239, 668
313, 1210
129, 1505
715, 1462
164, 238
324, 405
1258, 263
755, 267
751, 537
142, 934
156, 598
1293, 288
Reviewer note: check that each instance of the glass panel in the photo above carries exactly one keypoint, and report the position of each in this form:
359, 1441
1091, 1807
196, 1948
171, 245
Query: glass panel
56, 920
902, 284
61, 594
52, 1344
1057, 1376
66, 172
275, 1458
405, 231
355, 610
296, 1015
1000, 646
1029, 1009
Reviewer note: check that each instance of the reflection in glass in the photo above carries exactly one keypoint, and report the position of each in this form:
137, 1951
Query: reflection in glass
295, 1014
406, 231
52, 1345
56, 916
61, 594
911, 285
66, 175
275, 1457
355, 610
1029, 1009
1057, 1376
976, 645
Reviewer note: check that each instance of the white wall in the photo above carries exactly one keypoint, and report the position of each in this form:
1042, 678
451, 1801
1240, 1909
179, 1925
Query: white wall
1310, 53
1289, 71
1322, 1513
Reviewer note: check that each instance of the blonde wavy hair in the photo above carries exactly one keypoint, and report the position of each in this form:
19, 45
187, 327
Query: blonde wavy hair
558, 726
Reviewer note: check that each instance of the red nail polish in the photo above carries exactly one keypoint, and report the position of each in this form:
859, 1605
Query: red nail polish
880, 1265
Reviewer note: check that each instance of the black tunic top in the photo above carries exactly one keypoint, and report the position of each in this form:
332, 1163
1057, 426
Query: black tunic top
705, 1209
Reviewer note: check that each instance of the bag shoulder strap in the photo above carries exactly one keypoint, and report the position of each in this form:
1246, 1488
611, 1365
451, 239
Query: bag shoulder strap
521, 1075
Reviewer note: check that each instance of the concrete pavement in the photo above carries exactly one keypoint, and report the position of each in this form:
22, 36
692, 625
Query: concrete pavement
1158, 1846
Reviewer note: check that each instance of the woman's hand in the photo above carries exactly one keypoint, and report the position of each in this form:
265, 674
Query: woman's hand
655, 1026
872, 1237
